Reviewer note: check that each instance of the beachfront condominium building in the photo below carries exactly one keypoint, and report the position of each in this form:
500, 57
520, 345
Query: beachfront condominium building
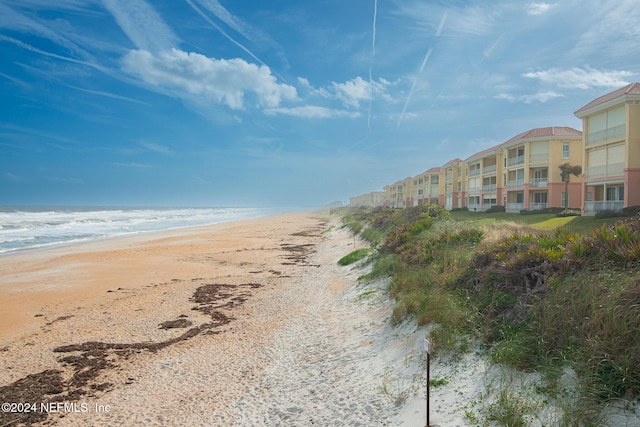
455, 184
532, 178
399, 194
611, 133
484, 170
373, 199
427, 187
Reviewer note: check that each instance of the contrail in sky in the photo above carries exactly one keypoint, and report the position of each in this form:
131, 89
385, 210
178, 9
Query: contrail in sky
422, 66
217, 27
52, 55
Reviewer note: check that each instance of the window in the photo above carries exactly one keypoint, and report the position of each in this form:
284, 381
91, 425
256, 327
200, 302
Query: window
540, 197
540, 174
565, 151
615, 193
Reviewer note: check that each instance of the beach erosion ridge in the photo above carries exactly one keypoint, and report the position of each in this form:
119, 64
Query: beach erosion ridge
249, 322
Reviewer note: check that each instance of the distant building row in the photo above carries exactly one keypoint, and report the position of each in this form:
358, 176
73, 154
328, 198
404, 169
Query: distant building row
524, 172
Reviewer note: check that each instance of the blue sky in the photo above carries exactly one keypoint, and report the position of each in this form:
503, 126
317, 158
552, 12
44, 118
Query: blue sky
284, 102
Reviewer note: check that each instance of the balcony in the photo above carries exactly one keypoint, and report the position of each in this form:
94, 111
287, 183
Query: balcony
514, 207
448, 178
518, 183
489, 187
538, 206
603, 171
489, 169
474, 207
539, 182
612, 205
473, 190
516, 160
474, 172
616, 132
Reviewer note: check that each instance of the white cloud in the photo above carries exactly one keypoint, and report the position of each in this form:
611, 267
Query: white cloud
352, 92
528, 99
225, 80
505, 96
311, 111
541, 8
578, 78
540, 97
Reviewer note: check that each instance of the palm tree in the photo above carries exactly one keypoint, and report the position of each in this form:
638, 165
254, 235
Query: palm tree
566, 170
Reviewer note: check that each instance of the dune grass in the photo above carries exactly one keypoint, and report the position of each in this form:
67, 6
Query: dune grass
542, 293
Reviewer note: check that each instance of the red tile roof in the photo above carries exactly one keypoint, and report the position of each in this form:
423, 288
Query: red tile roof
483, 153
545, 132
631, 89
451, 163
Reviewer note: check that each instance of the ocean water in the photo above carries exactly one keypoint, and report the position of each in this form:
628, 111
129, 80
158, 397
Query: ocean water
28, 228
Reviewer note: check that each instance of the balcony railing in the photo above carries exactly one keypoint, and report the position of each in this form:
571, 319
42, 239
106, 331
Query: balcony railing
516, 183
473, 189
616, 132
448, 178
474, 172
602, 171
516, 160
474, 207
613, 205
538, 206
489, 169
539, 182
489, 187
514, 207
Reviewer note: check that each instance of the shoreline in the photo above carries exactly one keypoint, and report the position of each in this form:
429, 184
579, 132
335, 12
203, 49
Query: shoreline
27, 276
144, 233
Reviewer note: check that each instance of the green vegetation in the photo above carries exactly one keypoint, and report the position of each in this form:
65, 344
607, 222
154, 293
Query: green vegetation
543, 292
354, 256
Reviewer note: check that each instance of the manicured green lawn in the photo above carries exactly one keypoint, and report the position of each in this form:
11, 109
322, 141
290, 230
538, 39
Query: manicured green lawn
577, 224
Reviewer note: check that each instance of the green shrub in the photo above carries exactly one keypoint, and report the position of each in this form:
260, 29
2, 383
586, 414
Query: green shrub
568, 212
354, 256
607, 213
631, 211
496, 208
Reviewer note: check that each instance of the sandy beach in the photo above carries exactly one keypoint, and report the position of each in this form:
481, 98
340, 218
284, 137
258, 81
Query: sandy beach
245, 323
239, 324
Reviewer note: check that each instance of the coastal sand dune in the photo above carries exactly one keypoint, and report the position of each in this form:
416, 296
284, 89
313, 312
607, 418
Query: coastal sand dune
249, 323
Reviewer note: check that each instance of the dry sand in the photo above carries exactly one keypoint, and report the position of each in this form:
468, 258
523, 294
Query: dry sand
246, 323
